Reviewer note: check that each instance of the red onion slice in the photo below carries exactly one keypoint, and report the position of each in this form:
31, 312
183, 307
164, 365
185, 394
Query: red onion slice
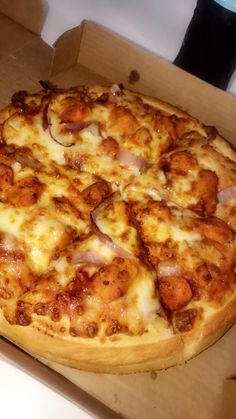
225, 194
26, 160
86, 257
92, 127
168, 268
5, 126
76, 126
63, 140
100, 208
116, 95
45, 118
104, 238
158, 194
66, 139
115, 89
127, 158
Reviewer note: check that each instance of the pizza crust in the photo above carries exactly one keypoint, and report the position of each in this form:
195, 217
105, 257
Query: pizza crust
4, 114
92, 355
223, 147
200, 338
165, 107
131, 355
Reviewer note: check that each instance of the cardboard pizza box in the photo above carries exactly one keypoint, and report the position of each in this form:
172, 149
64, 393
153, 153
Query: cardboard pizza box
91, 54
24, 56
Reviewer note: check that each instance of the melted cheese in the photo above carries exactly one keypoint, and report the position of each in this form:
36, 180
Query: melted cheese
94, 245
39, 237
143, 293
12, 219
175, 229
151, 185
45, 149
180, 234
43, 236
183, 190
114, 222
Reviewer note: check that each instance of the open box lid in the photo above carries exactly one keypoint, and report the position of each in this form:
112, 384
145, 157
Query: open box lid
24, 56
107, 56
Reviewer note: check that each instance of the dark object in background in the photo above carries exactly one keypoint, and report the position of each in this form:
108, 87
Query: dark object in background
209, 47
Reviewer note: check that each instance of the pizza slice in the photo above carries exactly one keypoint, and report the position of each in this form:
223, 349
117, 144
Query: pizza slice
194, 259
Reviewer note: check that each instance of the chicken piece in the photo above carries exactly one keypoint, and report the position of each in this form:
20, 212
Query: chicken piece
182, 162
175, 292
123, 119
208, 189
96, 193
109, 147
112, 281
25, 192
75, 112
6, 176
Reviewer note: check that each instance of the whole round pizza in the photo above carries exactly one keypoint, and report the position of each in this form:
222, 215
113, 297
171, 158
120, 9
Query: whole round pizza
117, 229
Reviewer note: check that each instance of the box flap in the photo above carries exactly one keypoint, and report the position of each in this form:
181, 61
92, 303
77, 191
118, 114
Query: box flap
66, 50
114, 58
24, 58
29, 13
12, 36
23, 69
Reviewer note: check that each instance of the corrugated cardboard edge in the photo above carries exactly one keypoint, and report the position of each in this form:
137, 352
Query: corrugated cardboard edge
66, 50
102, 51
28, 13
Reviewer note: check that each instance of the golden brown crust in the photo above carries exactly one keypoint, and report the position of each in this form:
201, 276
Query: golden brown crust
134, 357
200, 338
4, 114
94, 355
164, 106
223, 147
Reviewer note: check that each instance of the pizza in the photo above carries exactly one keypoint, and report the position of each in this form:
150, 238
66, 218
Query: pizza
117, 229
